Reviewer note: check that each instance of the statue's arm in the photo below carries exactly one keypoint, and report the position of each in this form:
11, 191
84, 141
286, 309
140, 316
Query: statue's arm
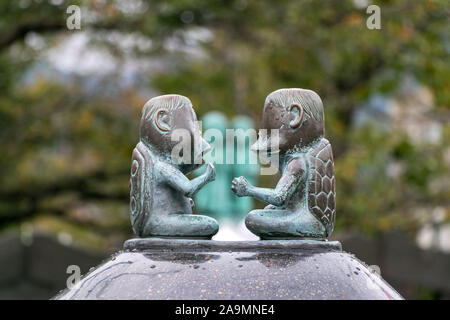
177, 180
285, 186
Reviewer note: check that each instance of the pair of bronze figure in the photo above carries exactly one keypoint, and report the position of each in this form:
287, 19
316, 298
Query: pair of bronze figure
302, 205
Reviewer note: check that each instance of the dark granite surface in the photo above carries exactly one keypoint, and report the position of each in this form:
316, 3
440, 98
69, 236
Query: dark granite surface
202, 269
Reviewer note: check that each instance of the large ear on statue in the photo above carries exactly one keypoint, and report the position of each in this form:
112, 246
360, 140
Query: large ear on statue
297, 114
162, 120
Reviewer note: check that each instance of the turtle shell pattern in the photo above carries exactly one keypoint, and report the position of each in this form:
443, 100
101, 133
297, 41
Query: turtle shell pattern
141, 194
321, 185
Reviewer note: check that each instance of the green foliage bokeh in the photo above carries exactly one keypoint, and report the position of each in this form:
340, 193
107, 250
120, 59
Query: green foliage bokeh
65, 150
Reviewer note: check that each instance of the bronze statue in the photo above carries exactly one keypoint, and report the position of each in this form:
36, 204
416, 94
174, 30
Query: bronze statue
160, 193
302, 205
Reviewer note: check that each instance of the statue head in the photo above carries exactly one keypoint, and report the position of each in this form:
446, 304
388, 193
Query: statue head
297, 114
167, 119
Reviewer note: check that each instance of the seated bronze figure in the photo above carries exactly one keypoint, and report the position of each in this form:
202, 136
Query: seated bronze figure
302, 205
160, 193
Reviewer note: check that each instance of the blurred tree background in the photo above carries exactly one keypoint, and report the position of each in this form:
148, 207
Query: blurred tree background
70, 101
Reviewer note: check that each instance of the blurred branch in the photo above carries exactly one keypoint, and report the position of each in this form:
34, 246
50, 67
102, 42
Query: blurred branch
34, 196
19, 32
76, 184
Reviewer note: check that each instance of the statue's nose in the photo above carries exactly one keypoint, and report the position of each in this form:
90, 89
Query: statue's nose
205, 146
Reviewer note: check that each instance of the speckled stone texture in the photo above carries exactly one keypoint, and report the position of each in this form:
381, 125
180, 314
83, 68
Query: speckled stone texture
204, 269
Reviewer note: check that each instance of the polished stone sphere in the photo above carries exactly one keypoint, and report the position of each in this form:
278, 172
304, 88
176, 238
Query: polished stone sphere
204, 269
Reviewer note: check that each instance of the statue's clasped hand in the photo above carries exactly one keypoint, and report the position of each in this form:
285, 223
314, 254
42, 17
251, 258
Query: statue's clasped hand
240, 186
210, 172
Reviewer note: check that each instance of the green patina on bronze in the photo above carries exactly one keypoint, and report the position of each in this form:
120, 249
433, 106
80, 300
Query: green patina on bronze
302, 205
160, 193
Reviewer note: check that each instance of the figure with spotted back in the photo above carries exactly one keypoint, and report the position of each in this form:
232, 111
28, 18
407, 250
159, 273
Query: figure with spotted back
302, 205
161, 202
